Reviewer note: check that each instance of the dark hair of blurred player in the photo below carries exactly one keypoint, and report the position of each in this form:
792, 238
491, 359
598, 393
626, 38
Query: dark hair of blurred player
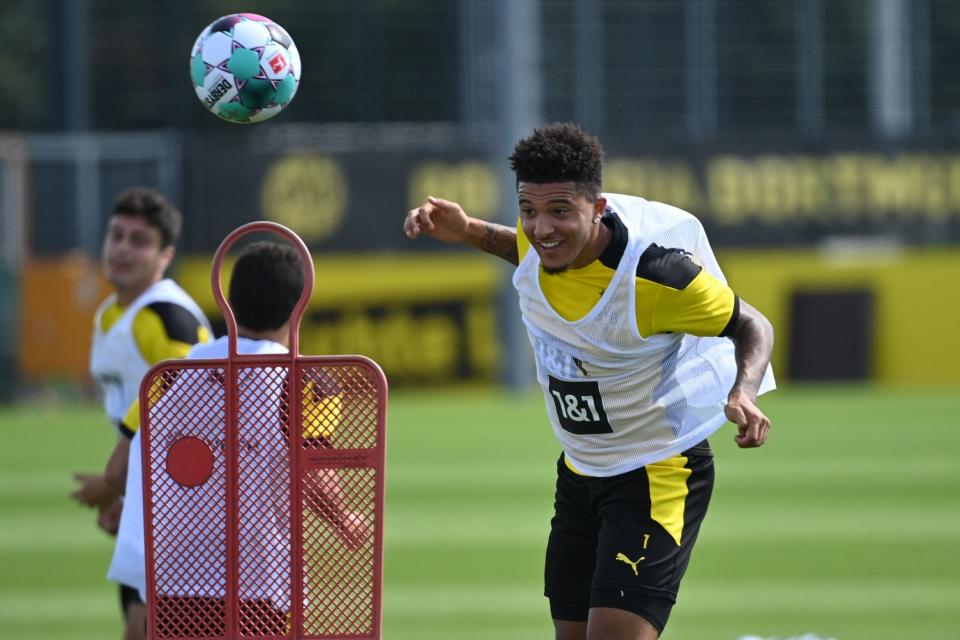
266, 284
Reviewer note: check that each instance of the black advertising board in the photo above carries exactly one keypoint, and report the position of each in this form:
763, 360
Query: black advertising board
355, 201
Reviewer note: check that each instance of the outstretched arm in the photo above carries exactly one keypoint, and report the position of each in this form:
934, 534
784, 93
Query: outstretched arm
753, 337
324, 497
447, 221
116, 471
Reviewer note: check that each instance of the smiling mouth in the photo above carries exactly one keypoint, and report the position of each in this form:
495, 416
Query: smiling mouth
550, 245
120, 267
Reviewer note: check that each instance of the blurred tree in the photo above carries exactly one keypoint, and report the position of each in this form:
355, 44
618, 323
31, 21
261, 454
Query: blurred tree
846, 30
944, 51
756, 65
30, 74
401, 61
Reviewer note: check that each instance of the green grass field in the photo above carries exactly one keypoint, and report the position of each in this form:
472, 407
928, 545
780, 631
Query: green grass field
845, 525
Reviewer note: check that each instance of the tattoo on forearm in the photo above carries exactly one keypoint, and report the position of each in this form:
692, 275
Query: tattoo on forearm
750, 363
500, 241
753, 338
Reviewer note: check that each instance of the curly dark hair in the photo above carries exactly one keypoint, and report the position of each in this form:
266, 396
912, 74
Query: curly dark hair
560, 152
154, 208
265, 285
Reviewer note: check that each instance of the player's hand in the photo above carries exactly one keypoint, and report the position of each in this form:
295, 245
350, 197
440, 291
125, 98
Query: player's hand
109, 517
437, 218
93, 490
753, 426
354, 529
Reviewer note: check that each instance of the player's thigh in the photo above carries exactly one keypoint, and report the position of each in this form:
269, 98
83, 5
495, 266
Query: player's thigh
571, 548
651, 518
136, 622
569, 630
607, 624
134, 613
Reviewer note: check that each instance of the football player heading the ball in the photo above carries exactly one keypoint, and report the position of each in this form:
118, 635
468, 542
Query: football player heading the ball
642, 352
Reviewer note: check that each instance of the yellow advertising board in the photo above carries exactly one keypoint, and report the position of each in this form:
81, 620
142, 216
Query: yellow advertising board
916, 306
424, 318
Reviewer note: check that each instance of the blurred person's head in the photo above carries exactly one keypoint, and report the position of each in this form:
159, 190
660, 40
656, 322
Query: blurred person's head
559, 170
140, 241
266, 282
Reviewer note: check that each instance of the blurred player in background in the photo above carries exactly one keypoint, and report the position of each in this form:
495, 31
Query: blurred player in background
628, 314
266, 282
148, 319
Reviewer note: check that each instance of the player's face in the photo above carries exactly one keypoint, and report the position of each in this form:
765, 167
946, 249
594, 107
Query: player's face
558, 220
132, 257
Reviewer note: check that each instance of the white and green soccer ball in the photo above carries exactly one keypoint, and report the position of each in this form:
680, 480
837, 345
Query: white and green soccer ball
245, 68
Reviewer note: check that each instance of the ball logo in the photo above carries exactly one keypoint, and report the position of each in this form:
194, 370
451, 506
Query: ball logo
218, 90
277, 62
305, 191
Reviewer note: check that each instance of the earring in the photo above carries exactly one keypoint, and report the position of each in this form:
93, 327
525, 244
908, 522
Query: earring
596, 220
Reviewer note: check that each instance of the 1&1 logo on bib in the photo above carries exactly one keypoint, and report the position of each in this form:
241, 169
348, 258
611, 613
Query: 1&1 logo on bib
579, 406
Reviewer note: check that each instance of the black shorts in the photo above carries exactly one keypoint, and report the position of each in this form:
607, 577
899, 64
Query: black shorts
198, 616
614, 543
128, 596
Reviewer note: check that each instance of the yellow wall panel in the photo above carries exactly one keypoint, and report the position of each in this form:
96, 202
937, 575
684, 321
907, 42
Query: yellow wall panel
916, 301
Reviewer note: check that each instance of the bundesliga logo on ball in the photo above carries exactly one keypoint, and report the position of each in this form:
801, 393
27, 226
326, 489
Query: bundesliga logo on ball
245, 68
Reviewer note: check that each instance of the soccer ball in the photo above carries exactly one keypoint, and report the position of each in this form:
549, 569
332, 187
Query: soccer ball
245, 68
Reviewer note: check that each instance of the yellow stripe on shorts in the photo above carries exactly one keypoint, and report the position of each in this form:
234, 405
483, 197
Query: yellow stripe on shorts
668, 493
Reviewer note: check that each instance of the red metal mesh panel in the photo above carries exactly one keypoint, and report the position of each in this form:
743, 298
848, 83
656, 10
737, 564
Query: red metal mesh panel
199, 535
263, 500
188, 524
340, 554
